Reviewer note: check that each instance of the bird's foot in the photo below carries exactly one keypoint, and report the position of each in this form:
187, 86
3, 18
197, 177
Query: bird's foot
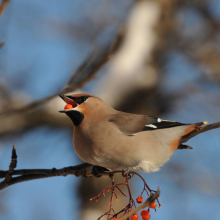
97, 169
127, 170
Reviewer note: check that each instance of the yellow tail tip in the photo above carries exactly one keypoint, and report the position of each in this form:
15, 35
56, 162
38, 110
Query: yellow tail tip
205, 122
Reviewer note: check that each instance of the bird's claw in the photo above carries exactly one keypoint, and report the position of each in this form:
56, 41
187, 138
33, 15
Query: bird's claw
126, 171
97, 169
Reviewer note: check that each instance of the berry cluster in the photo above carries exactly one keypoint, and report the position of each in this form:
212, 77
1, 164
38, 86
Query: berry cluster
145, 214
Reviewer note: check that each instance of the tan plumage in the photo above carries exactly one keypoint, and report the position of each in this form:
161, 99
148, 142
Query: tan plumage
116, 140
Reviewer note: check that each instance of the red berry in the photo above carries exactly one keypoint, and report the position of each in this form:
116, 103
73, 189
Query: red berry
68, 106
116, 218
139, 199
153, 205
135, 217
146, 218
145, 213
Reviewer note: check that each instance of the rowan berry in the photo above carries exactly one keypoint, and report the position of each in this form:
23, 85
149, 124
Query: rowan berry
153, 205
139, 199
135, 217
68, 106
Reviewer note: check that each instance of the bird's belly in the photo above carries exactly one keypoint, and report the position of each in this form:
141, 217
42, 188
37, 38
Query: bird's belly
96, 155
153, 153
117, 152
105, 152
90, 152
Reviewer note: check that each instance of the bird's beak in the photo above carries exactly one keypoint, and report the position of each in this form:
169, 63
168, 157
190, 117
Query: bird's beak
62, 111
62, 97
68, 101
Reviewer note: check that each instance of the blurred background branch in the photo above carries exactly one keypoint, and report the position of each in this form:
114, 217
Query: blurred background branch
3, 6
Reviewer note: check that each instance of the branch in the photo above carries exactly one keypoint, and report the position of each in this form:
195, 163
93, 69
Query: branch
84, 170
2, 9
199, 130
85, 72
12, 166
2, 44
38, 103
3, 6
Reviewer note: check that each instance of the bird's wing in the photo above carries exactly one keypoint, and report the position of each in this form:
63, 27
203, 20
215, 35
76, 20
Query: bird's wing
131, 124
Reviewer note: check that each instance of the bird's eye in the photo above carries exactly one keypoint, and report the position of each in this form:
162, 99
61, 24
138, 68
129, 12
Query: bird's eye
84, 98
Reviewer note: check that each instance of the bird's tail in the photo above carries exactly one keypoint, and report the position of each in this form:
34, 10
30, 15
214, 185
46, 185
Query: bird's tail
201, 123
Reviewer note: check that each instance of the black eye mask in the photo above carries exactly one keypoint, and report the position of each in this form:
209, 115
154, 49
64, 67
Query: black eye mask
79, 100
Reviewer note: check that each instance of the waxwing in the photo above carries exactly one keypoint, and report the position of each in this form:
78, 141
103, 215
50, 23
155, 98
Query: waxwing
122, 141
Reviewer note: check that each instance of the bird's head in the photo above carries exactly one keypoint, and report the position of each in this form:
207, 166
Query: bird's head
81, 106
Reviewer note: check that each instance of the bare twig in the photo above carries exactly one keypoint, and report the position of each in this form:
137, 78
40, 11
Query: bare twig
32, 174
2, 44
23, 175
12, 166
3, 6
131, 202
91, 67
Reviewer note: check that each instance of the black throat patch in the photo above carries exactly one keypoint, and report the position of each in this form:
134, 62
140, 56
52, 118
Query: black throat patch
75, 116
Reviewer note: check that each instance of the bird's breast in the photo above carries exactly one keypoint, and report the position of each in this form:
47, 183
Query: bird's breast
100, 145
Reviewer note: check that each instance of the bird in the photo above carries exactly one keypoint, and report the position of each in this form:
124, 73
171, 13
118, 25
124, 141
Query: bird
119, 141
